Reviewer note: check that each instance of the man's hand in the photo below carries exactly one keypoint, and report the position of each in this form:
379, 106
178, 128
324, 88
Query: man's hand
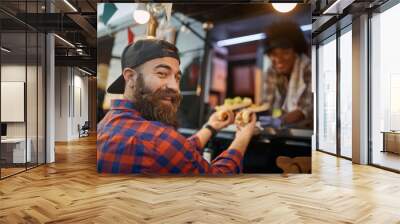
204, 134
243, 134
218, 124
246, 130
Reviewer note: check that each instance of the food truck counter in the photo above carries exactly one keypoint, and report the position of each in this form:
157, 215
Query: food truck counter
264, 148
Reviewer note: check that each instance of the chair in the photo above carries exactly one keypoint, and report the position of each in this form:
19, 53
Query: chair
84, 130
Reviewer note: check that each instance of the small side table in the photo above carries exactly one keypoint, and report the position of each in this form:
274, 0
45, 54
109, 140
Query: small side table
391, 141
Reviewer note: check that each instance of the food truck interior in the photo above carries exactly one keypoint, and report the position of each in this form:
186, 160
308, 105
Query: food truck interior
233, 64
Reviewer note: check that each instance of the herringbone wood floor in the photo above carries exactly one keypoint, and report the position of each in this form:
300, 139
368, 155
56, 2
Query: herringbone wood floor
70, 191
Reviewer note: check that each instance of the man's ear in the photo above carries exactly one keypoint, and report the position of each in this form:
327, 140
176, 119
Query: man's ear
130, 76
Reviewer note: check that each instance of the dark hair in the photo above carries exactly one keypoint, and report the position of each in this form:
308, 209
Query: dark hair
287, 34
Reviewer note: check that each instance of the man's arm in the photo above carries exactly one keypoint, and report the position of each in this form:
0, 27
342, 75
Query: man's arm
175, 154
201, 138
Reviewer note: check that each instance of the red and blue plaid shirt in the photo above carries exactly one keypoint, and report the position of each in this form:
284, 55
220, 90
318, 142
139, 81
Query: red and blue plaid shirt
127, 143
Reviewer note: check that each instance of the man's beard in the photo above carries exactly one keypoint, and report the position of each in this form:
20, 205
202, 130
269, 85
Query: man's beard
151, 106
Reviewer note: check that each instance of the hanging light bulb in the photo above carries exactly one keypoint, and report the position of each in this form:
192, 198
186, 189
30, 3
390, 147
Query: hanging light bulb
284, 7
208, 25
183, 29
141, 15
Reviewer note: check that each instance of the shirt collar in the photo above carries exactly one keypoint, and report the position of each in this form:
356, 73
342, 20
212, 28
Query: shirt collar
123, 104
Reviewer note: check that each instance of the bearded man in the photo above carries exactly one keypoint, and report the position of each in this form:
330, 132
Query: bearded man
138, 134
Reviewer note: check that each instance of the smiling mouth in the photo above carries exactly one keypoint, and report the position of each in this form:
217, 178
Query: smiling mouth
167, 99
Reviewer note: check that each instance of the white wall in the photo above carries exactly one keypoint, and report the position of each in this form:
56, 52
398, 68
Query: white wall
70, 83
33, 126
61, 103
16, 73
80, 96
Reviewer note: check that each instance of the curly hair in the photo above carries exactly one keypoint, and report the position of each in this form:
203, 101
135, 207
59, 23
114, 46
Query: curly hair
287, 32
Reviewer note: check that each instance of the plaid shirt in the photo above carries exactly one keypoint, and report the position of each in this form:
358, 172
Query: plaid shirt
276, 89
127, 143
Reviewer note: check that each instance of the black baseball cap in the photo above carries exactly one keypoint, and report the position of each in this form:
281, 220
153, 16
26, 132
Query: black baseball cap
140, 52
